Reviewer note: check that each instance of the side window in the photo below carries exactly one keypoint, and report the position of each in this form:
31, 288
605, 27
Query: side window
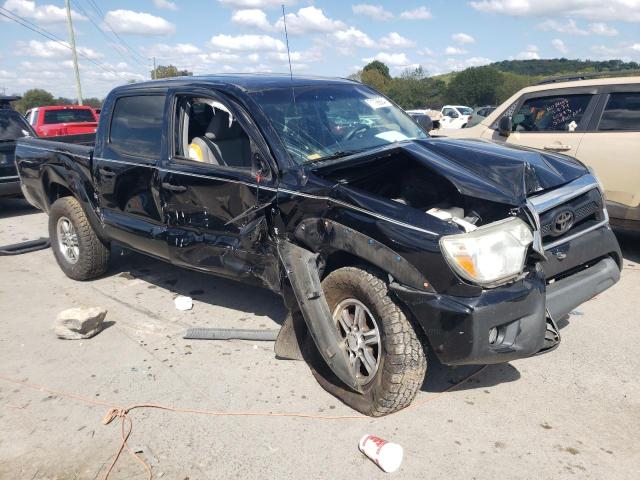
136, 125
507, 113
622, 113
207, 132
561, 113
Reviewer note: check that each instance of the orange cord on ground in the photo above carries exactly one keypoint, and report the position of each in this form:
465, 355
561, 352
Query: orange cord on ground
116, 411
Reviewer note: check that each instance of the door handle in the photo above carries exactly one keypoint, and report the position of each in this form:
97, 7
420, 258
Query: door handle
107, 172
558, 147
174, 188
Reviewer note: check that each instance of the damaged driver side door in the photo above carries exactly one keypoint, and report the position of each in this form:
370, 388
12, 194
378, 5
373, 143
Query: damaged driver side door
217, 187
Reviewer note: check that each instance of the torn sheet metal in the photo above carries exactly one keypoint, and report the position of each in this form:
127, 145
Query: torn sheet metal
302, 272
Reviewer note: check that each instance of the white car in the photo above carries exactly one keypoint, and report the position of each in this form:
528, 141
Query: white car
455, 116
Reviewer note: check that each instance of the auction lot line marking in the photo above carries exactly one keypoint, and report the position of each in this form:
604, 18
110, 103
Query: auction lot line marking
122, 412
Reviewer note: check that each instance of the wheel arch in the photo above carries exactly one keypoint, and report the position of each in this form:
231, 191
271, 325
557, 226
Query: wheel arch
341, 246
58, 185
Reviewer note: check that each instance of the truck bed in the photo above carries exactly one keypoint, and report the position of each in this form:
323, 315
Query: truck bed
42, 162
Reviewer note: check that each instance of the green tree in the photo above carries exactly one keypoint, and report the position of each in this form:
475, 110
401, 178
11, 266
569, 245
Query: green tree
411, 89
512, 83
168, 71
65, 101
93, 102
36, 97
379, 67
375, 79
475, 86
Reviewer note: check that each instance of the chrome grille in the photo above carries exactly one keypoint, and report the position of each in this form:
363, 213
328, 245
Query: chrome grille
584, 209
582, 198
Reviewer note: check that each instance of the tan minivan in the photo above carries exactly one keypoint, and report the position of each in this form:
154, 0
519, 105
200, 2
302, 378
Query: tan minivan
596, 121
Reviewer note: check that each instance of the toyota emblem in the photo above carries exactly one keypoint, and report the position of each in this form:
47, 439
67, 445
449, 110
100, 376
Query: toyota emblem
563, 222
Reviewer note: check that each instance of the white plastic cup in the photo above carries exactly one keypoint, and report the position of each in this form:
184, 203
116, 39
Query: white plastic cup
387, 455
183, 303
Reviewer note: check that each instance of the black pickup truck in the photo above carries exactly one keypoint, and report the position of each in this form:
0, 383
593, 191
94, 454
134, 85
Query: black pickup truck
382, 241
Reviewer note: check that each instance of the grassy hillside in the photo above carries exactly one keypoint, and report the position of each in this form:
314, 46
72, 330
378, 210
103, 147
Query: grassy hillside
560, 66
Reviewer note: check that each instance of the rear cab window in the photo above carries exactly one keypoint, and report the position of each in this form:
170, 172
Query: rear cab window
68, 115
621, 113
137, 125
559, 113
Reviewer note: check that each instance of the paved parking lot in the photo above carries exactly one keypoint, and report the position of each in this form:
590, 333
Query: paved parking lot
573, 413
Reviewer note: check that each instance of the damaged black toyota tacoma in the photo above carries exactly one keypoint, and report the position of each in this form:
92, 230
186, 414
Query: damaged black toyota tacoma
383, 242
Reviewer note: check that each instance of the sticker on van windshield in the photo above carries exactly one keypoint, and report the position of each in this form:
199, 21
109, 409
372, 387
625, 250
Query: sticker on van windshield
377, 102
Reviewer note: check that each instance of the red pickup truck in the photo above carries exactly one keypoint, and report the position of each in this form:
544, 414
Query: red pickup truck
53, 121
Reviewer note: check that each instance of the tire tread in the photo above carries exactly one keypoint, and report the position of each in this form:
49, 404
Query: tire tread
94, 255
405, 362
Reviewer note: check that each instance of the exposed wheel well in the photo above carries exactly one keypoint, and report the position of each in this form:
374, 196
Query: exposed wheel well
57, 191
339, 258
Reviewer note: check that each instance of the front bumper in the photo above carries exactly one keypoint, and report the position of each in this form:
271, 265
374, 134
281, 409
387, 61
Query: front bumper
10, 186
458, 328
623, 216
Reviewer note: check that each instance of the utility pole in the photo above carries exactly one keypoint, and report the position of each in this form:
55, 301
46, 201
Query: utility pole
153, 73
72, 41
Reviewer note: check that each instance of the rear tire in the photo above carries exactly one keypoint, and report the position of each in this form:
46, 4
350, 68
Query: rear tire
400, 354
78, 250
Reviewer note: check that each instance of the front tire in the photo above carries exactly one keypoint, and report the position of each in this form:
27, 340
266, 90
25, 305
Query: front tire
76, 247
388, 357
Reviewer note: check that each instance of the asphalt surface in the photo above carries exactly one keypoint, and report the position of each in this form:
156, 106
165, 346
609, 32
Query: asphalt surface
573, 413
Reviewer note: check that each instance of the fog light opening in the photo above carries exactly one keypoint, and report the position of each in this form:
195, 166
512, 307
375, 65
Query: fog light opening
493, 336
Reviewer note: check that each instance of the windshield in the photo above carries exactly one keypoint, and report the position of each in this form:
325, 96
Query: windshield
12, 126
330, 121
465, 110
68, 115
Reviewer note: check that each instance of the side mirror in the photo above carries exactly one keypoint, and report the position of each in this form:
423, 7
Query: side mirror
505, 126
424, 121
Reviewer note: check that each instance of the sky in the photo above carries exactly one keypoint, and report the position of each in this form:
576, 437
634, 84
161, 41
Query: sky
118, 39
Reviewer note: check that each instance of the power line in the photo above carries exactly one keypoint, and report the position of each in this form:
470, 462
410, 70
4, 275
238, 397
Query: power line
50, 36
104, 34
124, 48
101, 14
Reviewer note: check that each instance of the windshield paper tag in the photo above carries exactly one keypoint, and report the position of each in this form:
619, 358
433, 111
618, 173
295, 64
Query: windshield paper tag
392, 136
377, 102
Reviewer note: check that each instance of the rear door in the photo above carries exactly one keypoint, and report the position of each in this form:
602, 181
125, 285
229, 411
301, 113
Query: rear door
611, 146
125, 171
553, 120
217, 185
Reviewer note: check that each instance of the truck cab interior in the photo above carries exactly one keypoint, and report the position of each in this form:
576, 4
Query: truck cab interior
209, 133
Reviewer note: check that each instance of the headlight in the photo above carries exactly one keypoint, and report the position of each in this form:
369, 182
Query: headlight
490, 254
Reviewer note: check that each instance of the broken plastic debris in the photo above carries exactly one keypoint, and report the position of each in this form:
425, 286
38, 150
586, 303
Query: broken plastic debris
183, 303
387, 455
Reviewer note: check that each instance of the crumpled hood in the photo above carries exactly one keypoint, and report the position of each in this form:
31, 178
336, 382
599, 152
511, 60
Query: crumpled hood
492, 171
